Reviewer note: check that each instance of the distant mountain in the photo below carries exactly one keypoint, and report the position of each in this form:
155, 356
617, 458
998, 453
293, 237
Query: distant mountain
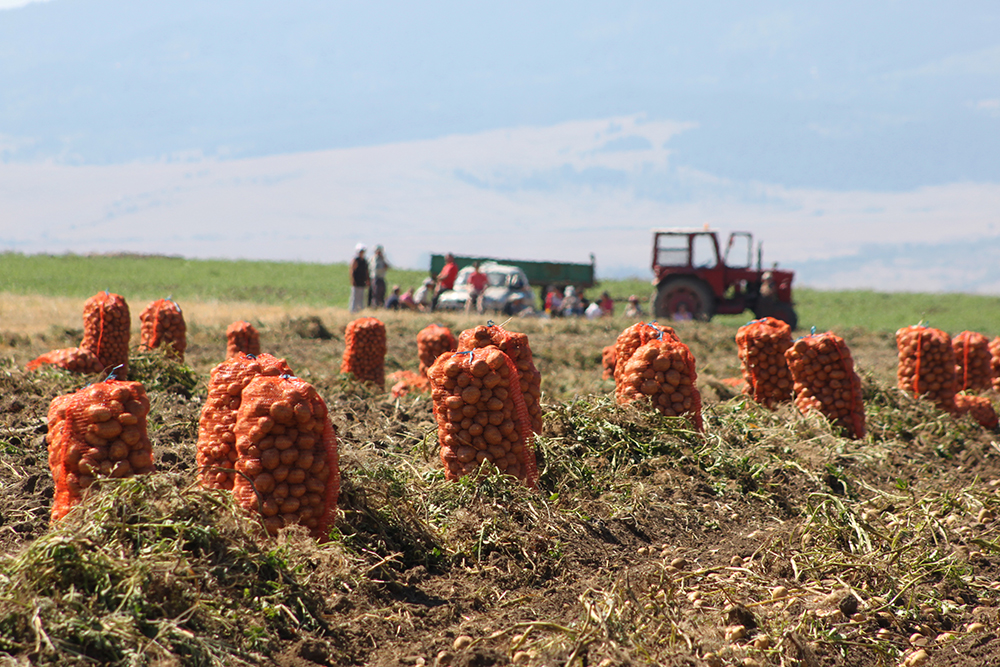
855, 95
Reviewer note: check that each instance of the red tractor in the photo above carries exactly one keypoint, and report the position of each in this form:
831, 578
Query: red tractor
694, 280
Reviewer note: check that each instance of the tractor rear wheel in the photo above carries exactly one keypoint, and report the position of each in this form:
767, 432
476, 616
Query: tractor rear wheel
779, 310
684, 298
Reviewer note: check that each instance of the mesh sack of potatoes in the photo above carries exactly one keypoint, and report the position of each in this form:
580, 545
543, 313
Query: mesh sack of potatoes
630, 340
927, 365
761, 347
242, 337
100, 431
73, 359
973, 362
364, 354
403, 382
515, 346
56, 441
481, 414
216, 450
825, 381
286, 455
106, 330
979, 407
663, 372
608, 358
162, 325
433, 341
995, 362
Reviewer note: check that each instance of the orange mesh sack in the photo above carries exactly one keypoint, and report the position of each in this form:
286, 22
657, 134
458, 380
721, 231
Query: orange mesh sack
364, 355
979, 407
481, 414
216, 451
608, 359
825, 381
662, 370
433, 341
406, 381
106, 330
56, 440
634, 337
515, 346
995, 362
242, 337
973, 370
761, 346
100, 431
927, 365
73, 359
287, 454
162, 325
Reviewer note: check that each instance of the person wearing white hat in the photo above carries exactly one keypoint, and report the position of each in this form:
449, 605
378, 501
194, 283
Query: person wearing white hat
359, 279
424, 297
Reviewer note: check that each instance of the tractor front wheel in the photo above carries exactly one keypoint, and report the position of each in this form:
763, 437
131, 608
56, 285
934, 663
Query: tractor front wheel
684, 299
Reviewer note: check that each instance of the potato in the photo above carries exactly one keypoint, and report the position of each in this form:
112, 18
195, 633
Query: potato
973, 367
824, 380
87, 438
406, 381
106, 331
515, 347
671, 389
475, 423
979, 407
433, 341
73, 359
162, 325
242, 337
216, 451
608, 361
293, 474
630, 340
364, 354
927, 365
761, 346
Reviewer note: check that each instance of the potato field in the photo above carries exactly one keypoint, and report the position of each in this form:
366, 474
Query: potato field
341, 502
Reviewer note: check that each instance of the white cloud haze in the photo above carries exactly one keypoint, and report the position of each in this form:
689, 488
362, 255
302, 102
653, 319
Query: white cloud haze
857, 140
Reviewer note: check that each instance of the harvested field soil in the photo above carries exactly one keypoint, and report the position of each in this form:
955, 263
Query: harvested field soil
769, 539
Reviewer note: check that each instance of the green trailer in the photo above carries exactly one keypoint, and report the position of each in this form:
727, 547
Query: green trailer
542, 275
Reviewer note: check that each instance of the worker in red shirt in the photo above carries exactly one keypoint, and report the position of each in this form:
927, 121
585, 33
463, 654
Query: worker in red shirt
446, 279
478, 282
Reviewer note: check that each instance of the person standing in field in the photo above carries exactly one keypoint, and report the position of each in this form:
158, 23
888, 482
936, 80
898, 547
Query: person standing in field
445, 279
359, 279
379, 268
478, 282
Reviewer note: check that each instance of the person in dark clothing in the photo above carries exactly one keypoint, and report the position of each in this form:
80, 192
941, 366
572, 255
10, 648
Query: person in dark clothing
359, 279
392, 303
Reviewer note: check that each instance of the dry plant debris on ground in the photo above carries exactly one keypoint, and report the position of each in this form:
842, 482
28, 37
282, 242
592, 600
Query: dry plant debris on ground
769, 540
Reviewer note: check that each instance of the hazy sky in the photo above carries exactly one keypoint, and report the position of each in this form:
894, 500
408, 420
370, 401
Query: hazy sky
855, 134
11, 4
